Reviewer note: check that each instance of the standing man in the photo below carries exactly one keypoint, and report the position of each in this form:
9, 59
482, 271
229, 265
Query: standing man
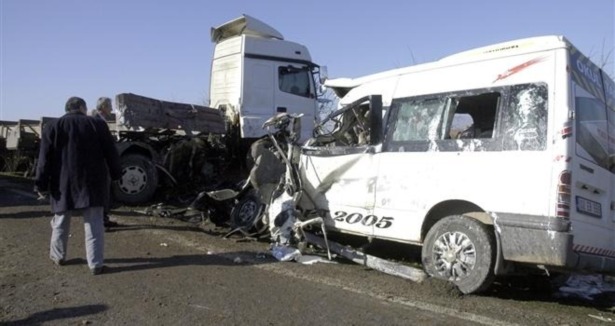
103, 112
103, 109
77, 153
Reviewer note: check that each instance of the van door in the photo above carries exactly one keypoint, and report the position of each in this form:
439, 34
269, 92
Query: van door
339, 169
592, 217
609, 87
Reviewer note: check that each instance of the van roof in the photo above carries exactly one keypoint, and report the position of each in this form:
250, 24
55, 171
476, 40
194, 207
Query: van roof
539, 43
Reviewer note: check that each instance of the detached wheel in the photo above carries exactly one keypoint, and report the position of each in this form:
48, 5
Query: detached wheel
246, 212
138, 182
461, 250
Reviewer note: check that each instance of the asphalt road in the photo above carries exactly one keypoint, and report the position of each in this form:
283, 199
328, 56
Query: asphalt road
163, 271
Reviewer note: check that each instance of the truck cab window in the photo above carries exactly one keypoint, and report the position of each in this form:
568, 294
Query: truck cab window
295, 81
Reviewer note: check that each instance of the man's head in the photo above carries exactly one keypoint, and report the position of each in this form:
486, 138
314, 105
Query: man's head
104, 106
76, 104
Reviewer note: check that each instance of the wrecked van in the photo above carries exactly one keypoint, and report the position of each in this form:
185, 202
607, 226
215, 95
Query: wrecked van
496, 160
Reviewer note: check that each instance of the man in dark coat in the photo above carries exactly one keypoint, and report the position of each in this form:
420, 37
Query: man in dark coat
77, 154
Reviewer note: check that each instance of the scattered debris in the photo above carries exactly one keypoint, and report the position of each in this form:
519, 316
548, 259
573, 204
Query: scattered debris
285, 253
311, 259
585, 286
602, 318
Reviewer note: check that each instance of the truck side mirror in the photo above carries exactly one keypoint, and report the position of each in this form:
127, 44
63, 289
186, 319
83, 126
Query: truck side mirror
323, 75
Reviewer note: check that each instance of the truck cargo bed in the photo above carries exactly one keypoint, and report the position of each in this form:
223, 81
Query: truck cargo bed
136, 112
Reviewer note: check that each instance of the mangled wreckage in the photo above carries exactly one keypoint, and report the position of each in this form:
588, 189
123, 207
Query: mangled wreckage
495, 161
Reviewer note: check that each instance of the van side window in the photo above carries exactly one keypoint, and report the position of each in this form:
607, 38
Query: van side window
611, 129
349, 127
474, 116
524, 119
591, 128
509, 118
419, 119
295, 81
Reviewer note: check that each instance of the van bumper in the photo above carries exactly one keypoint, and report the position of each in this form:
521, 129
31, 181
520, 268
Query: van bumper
534, 239
545, 240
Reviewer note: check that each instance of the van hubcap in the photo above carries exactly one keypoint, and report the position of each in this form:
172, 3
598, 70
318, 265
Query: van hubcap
454, 255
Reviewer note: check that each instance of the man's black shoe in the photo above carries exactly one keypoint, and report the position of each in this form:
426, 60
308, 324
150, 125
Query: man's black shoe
111, 224
98, 270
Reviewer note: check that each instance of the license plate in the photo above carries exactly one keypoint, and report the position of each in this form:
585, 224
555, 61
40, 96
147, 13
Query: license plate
588, 207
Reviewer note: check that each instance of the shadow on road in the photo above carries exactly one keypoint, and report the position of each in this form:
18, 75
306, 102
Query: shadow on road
240, 258
44, 212
136, 227
58, 313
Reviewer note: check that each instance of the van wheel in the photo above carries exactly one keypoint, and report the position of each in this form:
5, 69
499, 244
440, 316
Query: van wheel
461, 250
138, 182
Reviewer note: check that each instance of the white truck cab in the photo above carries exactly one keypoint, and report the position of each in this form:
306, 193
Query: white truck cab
256, 73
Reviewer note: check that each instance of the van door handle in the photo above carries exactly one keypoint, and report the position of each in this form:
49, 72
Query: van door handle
280, 109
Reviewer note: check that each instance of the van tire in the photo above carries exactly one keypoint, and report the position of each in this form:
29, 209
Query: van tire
461, 250
138, 182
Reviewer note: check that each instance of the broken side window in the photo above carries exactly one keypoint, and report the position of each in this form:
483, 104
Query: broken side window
418, 119
524, 119
474, 116
348, 127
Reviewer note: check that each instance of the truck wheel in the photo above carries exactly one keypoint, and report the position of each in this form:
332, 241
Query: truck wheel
246, 212
138, 182
461, 250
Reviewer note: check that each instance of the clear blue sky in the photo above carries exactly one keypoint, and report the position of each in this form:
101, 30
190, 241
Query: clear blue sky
54, 49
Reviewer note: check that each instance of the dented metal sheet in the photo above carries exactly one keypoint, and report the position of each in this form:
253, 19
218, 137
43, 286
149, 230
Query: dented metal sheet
375, 263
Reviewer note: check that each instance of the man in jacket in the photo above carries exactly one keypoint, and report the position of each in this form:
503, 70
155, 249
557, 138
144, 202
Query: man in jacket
103, 112
77, 153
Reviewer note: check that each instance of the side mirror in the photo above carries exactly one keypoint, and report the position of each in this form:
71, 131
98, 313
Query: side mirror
324, 74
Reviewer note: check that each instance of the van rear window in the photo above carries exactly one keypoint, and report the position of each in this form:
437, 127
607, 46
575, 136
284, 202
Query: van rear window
591, 129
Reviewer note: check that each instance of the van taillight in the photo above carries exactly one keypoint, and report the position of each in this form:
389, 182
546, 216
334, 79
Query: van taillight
566, 130
564, 194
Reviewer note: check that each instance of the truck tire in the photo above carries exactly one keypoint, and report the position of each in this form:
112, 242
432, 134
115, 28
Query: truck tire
461, 250
247, 212
138, 182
